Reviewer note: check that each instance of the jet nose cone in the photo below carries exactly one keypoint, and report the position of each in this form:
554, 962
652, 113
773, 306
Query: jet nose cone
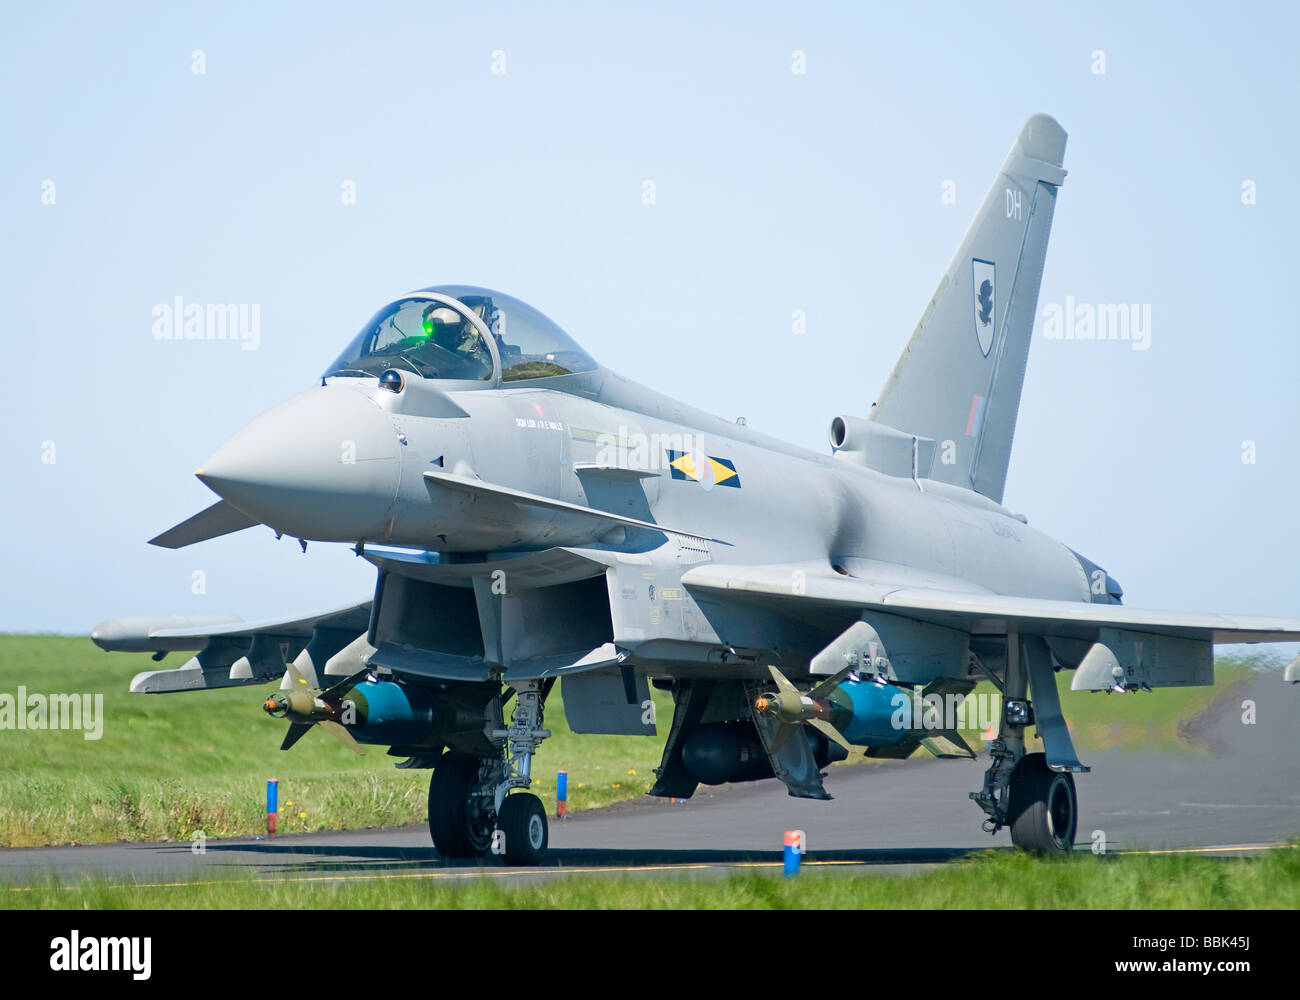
323, 465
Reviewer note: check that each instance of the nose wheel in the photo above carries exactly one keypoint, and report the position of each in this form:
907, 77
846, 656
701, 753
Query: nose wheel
523, 823
477, 804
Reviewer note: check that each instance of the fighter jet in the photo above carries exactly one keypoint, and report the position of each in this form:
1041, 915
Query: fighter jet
533, 516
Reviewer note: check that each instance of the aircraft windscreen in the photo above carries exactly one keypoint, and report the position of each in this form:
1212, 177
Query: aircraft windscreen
429, 338
530, 344
435, 340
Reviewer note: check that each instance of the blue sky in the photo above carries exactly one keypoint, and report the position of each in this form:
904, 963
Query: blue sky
774, 191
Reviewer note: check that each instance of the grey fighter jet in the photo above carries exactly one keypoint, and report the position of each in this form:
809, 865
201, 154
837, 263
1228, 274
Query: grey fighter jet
534, 517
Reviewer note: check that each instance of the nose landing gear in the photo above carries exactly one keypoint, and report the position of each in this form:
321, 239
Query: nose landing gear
470, 812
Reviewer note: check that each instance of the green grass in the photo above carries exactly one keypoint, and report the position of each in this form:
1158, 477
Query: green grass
170, 765
989, 880
1158, 720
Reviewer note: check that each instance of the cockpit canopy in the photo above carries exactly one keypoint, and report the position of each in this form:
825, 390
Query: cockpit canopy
464, 334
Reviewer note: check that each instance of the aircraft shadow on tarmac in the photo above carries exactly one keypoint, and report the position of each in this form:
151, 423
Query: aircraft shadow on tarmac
290, 858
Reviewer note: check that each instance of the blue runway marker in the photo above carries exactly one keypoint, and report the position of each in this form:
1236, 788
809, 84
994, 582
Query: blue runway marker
272, 806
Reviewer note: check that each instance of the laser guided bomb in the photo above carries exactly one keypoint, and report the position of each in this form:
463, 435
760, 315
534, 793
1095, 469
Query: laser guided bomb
842, 708
833, 716
537, 519
364, 709
859, 704
304, 707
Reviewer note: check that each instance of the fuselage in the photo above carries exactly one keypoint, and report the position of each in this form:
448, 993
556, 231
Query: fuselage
465, 425
351, 456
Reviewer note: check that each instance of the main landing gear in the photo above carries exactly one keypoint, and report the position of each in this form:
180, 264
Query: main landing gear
1023, 793
470, 812
1020, 790
1042, 810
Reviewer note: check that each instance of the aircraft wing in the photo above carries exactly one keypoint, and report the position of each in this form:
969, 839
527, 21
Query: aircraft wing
975, 611
166, 633
354, 617
233, 652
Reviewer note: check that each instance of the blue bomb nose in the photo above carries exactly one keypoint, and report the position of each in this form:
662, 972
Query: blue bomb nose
323, 465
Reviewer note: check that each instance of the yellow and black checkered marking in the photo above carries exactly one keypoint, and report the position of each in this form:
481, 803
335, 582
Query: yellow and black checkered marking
718, 471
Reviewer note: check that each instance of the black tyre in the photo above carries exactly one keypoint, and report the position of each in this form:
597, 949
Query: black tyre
523, 822
1043, 810
457, 829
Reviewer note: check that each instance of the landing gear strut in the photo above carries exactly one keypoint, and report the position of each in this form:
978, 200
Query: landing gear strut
1020, 790
470, 811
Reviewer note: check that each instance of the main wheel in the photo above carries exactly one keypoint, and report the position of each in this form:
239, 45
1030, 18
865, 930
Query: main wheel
1042, 809
455, 823
523, 822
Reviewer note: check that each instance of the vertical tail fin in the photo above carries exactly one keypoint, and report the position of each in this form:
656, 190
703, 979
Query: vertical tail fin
959, 379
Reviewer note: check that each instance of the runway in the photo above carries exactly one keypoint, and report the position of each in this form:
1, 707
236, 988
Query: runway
1240, 796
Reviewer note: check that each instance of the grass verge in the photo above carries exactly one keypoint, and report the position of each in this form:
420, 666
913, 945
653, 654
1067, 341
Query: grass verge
990, 880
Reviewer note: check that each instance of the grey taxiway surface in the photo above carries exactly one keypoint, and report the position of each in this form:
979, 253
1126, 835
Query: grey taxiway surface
1239, 792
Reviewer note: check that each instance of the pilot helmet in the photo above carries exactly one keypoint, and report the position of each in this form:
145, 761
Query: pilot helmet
438, 316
